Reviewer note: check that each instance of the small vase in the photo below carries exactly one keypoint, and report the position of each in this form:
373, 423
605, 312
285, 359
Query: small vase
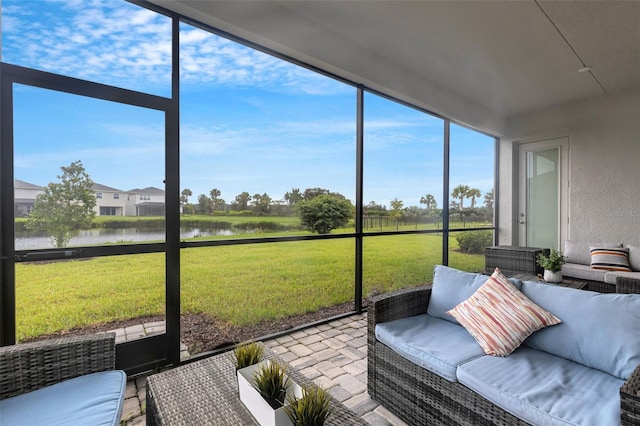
552, 277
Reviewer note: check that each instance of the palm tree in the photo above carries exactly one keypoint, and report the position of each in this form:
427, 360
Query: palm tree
429, 201
215, 193
488, 199
460, 192
473, 193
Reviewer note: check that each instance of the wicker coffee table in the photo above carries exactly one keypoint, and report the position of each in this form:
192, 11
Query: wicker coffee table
206, 393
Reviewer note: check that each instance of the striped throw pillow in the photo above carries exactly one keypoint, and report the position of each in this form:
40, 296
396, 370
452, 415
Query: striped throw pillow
610, 259
500, 317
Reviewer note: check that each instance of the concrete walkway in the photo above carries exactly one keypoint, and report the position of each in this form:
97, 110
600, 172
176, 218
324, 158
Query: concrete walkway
334, 355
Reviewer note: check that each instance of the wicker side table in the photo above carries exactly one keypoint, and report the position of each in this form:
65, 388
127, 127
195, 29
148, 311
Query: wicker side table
205, 392
513, 260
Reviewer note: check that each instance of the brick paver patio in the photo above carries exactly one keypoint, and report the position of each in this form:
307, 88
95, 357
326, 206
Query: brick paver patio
334, 355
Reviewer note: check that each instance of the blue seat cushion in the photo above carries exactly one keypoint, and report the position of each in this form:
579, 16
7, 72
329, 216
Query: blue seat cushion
544, 389
432, 343
93, 399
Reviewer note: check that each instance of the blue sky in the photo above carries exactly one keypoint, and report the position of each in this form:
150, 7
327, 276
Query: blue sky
249, 122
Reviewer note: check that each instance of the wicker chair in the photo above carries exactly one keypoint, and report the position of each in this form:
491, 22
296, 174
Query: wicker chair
31, 366
627, 285
420, 397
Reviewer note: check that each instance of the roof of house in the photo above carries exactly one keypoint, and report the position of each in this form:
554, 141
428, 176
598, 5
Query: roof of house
20, 184
151, 190
100, 187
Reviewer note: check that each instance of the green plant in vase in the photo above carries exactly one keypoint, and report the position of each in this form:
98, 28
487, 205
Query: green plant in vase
310, 410
553, 262
552, 265
247, 354
272, 382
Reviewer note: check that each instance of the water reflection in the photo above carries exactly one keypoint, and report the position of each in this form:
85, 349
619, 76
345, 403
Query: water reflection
32, 241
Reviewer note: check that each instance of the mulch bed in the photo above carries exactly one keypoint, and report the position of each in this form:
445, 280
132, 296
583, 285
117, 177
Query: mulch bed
203, 332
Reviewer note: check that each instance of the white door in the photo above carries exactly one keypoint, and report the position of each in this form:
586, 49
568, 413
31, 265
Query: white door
543, 187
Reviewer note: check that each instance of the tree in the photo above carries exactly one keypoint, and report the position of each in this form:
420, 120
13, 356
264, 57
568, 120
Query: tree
242, 201
460, 193
261, 204
324, 213
293, 196
65, 206
215, 193
375, 209
473, 193
429, 201
204, 204
184, 200
396, 209
488, 200
310, 193
186, 193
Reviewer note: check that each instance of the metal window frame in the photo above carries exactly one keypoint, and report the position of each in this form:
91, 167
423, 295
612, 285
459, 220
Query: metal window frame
164, 349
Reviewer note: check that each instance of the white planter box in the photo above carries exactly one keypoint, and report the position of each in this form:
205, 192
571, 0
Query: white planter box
259, 408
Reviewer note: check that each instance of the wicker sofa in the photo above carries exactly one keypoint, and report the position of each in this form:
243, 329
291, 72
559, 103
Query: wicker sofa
578, 265
66, 381
420, 396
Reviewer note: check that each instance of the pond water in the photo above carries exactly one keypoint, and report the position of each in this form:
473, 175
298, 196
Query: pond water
32, 241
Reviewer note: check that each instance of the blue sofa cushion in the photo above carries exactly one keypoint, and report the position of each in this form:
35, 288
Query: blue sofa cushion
93, 399
599, 330
432, 343
544, 389
451, 287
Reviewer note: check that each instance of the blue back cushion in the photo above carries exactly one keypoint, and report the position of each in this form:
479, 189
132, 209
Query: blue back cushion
451, 287
598, 330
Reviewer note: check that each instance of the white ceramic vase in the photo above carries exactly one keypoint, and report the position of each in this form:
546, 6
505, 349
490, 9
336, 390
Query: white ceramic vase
552, 277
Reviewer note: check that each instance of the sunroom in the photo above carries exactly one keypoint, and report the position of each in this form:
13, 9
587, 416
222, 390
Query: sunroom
444, 125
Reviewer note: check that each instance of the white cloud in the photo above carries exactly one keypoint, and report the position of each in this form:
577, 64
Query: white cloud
115, 42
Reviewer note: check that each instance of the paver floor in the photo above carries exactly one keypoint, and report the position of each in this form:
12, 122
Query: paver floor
334, 355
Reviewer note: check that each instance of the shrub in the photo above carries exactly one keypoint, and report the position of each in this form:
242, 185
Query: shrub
474, 241
324, 213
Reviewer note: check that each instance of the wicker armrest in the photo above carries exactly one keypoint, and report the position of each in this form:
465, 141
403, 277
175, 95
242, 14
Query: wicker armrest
630, 400
627, 285
29, 366
398, 304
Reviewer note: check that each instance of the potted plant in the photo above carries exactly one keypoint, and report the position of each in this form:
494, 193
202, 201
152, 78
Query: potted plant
264, 389
552, 265
272, 383
247, 354
310, 410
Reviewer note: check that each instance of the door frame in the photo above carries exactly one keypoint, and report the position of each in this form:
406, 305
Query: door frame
520, 198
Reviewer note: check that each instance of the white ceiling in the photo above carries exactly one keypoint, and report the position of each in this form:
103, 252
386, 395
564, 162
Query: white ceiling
479, 62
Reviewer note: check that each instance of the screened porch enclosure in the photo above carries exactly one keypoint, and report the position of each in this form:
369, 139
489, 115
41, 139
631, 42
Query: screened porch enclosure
202, 176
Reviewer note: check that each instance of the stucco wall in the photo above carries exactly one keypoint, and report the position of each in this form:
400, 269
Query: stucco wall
604, 166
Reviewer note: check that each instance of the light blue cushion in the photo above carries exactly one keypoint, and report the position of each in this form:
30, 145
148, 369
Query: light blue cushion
451, 287
598, 330
432, 343
93, 399
544, 389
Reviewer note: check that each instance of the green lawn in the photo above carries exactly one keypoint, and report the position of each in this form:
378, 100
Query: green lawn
241, 284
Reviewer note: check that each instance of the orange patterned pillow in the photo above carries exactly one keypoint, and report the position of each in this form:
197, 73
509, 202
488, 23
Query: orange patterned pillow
500, 317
